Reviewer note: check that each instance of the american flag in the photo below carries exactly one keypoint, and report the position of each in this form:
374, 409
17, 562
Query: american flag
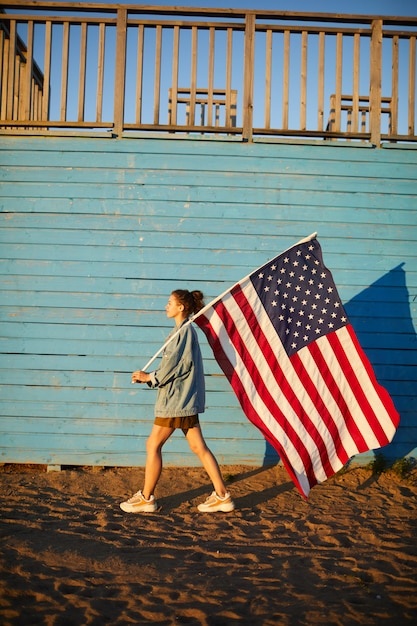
284, 341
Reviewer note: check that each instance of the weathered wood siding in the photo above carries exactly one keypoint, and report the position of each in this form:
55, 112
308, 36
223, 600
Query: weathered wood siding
97, 232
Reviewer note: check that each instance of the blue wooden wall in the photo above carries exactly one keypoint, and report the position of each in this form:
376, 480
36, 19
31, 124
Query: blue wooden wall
96, 233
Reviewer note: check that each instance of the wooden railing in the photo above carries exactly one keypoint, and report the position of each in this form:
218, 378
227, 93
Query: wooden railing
115, 69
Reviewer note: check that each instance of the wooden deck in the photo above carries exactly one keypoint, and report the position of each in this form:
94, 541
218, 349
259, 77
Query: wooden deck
120, 69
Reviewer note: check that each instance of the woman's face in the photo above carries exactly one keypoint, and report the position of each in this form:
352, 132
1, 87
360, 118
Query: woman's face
174, 309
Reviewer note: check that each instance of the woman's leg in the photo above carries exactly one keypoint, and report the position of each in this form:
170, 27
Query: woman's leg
153, 468
199, 447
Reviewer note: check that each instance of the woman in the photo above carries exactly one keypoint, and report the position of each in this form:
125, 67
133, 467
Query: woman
181, 397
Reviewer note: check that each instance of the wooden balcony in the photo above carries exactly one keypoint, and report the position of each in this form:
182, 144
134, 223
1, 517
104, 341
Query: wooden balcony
121, 70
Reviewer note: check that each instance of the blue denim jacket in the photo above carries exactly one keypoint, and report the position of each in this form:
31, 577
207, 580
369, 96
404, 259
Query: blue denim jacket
180, 377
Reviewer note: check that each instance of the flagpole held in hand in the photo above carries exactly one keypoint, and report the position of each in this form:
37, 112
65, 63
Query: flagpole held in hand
205, 308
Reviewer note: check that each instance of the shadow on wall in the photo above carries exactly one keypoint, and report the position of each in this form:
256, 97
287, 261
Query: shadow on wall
381, 317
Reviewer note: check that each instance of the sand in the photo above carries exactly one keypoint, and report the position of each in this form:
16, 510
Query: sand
70, 556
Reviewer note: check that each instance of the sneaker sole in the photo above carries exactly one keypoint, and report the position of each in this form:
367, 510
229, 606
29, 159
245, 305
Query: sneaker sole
222, 508
130, 508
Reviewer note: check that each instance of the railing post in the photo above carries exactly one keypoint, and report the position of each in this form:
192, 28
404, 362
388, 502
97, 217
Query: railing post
248, 69
120, 71
375, 83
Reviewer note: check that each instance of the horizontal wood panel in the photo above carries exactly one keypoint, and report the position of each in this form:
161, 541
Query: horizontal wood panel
72, 227
290, 202
95, 236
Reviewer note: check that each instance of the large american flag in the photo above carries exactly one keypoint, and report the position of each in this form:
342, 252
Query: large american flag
284, 341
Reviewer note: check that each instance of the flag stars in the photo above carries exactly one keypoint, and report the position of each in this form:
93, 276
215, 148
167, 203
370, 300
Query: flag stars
299, 294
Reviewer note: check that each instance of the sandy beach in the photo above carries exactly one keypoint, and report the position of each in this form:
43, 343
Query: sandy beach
71, 557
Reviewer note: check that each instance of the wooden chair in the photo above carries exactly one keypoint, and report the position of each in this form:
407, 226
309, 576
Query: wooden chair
216, 107
357, 118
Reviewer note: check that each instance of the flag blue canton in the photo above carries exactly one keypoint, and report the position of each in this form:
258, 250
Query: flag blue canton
300, 296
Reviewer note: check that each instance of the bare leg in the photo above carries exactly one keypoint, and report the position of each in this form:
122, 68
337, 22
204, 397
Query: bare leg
199, 447
153, 468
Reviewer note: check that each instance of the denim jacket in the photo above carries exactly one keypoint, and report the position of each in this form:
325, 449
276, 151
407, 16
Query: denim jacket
180, 377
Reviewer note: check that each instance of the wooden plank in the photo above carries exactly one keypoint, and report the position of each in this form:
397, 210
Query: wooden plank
303, 81
375, 83
120, 69
157, 78
47, 70
249, 55
338, 91
286, 80
64, 71
394, 86
268, 73
320, 87
139, 76
411, 85
100, 71
82, 76
356, 82
27, 95
11, 70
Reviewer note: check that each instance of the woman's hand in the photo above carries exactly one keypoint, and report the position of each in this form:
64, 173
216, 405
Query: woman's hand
140, 377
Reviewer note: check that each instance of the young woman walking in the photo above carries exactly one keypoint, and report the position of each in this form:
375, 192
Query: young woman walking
181, 397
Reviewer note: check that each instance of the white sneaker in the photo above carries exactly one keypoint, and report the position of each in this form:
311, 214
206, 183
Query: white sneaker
138, 504
216, 503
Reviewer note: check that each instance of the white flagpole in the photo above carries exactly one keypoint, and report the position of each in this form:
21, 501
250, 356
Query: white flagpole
207, 306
